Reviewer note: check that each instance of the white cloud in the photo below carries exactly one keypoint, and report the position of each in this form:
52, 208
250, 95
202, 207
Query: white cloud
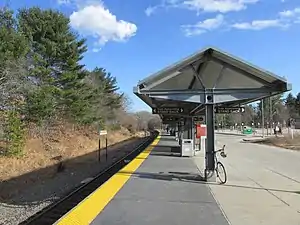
79, 3
150, 10
96, 50
63, 2
164, 4
97, 21
259, 24
219, 22
222, 6
290, 13
203, 26
287, 13
291, 16
286, 19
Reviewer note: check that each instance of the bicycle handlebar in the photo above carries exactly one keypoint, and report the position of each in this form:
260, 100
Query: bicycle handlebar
221, 149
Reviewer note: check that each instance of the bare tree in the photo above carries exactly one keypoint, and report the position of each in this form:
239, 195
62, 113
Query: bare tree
14, 83
127, 120
154, 123
248, 115
142, 118
126, 103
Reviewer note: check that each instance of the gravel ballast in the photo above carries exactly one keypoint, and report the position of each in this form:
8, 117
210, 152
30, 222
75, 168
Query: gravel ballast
28, 202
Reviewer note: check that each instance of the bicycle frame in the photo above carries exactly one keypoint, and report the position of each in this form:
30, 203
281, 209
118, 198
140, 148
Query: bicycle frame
217, 162
215, 154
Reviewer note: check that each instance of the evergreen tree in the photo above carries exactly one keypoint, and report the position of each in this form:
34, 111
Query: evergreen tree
42, 77
291, 104
13, 44
55, 54
102, 94
297, 105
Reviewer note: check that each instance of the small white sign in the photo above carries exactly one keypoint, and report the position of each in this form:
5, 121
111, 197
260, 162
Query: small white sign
103, 132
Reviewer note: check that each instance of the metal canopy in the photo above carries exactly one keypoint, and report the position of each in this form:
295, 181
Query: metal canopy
155, 102
231, 80
208, 78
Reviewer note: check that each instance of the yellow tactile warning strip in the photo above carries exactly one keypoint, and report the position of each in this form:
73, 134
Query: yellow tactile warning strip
87, 210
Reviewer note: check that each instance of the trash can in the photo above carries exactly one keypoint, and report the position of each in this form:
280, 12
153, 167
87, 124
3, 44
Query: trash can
247, 130
187, 147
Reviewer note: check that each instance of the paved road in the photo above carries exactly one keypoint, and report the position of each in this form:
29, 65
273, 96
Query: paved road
263, 186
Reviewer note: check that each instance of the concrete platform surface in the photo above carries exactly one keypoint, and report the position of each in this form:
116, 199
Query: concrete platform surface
263, 183
165, 190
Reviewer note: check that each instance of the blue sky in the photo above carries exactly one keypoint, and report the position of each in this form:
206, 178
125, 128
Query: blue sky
134, 38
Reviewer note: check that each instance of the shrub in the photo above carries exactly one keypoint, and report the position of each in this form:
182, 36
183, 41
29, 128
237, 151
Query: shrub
14, 134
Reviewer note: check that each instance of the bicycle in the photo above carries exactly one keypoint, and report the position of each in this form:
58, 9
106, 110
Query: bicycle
219, 167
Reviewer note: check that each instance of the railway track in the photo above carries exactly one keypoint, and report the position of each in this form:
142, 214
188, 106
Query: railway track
55, 211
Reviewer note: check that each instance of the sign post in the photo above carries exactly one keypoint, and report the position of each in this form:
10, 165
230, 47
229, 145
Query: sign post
168, 110
99, 150
226, 110
101, 133
105, 148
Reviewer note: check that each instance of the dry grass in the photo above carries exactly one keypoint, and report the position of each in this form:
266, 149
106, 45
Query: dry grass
282, 141
61, 144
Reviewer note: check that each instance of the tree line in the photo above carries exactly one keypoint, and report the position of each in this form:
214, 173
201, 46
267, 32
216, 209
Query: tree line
275, 109
43, 81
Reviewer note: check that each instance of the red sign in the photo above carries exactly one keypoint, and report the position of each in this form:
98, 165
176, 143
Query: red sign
200, 130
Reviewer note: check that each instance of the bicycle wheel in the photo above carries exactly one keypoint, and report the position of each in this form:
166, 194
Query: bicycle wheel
221, 173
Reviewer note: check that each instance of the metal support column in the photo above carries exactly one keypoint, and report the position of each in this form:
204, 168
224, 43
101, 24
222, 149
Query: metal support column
193, 134
262, 118
190, 127
180, 132
187, 128
185, 132
270, 115
210, 147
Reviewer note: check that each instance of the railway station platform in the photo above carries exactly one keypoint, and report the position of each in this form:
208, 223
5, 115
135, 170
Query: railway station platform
166, 189
160, 187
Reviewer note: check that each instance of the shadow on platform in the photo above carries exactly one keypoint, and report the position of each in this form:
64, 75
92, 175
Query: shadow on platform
167, 146
170, 176
195, 178
166, 135
161, 150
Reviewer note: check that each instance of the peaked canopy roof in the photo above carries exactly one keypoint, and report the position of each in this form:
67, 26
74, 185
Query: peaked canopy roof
231, 80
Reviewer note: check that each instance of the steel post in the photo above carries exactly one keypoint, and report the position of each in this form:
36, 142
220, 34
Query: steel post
262, 118
188, 128
99, 149
106, 154
185, 130
210, 147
